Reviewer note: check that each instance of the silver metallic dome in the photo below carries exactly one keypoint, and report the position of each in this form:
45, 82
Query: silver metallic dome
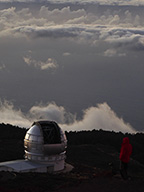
45, 141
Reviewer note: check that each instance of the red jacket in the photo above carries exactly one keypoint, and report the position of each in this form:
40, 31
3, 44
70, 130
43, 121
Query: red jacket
126, 150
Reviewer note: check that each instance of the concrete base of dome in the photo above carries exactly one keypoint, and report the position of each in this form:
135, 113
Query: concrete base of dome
24, 166
57, 162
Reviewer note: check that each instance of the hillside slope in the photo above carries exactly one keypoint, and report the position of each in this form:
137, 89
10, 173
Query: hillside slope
94, 155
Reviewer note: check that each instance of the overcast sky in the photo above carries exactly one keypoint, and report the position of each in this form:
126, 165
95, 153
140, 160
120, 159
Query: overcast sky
77, 62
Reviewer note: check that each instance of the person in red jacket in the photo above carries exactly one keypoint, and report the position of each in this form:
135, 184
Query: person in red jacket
125, 153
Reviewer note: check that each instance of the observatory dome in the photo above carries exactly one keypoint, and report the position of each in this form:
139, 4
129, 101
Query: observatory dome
45, 142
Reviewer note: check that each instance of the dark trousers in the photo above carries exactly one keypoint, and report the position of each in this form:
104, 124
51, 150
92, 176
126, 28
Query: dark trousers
123, 170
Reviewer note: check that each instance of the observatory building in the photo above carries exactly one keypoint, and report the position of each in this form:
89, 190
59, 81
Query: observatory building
45, 147
46, 143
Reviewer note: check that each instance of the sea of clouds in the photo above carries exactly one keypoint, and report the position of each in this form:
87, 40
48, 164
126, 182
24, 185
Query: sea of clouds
101, 2
98, 117
118, 30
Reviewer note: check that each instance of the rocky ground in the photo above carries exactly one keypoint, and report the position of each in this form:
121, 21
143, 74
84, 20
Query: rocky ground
96, 169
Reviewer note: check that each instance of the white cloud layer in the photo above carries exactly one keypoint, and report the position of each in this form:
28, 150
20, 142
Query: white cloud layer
10, 115
51, 111
116, 29
99, 117
49, 64
100, 2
